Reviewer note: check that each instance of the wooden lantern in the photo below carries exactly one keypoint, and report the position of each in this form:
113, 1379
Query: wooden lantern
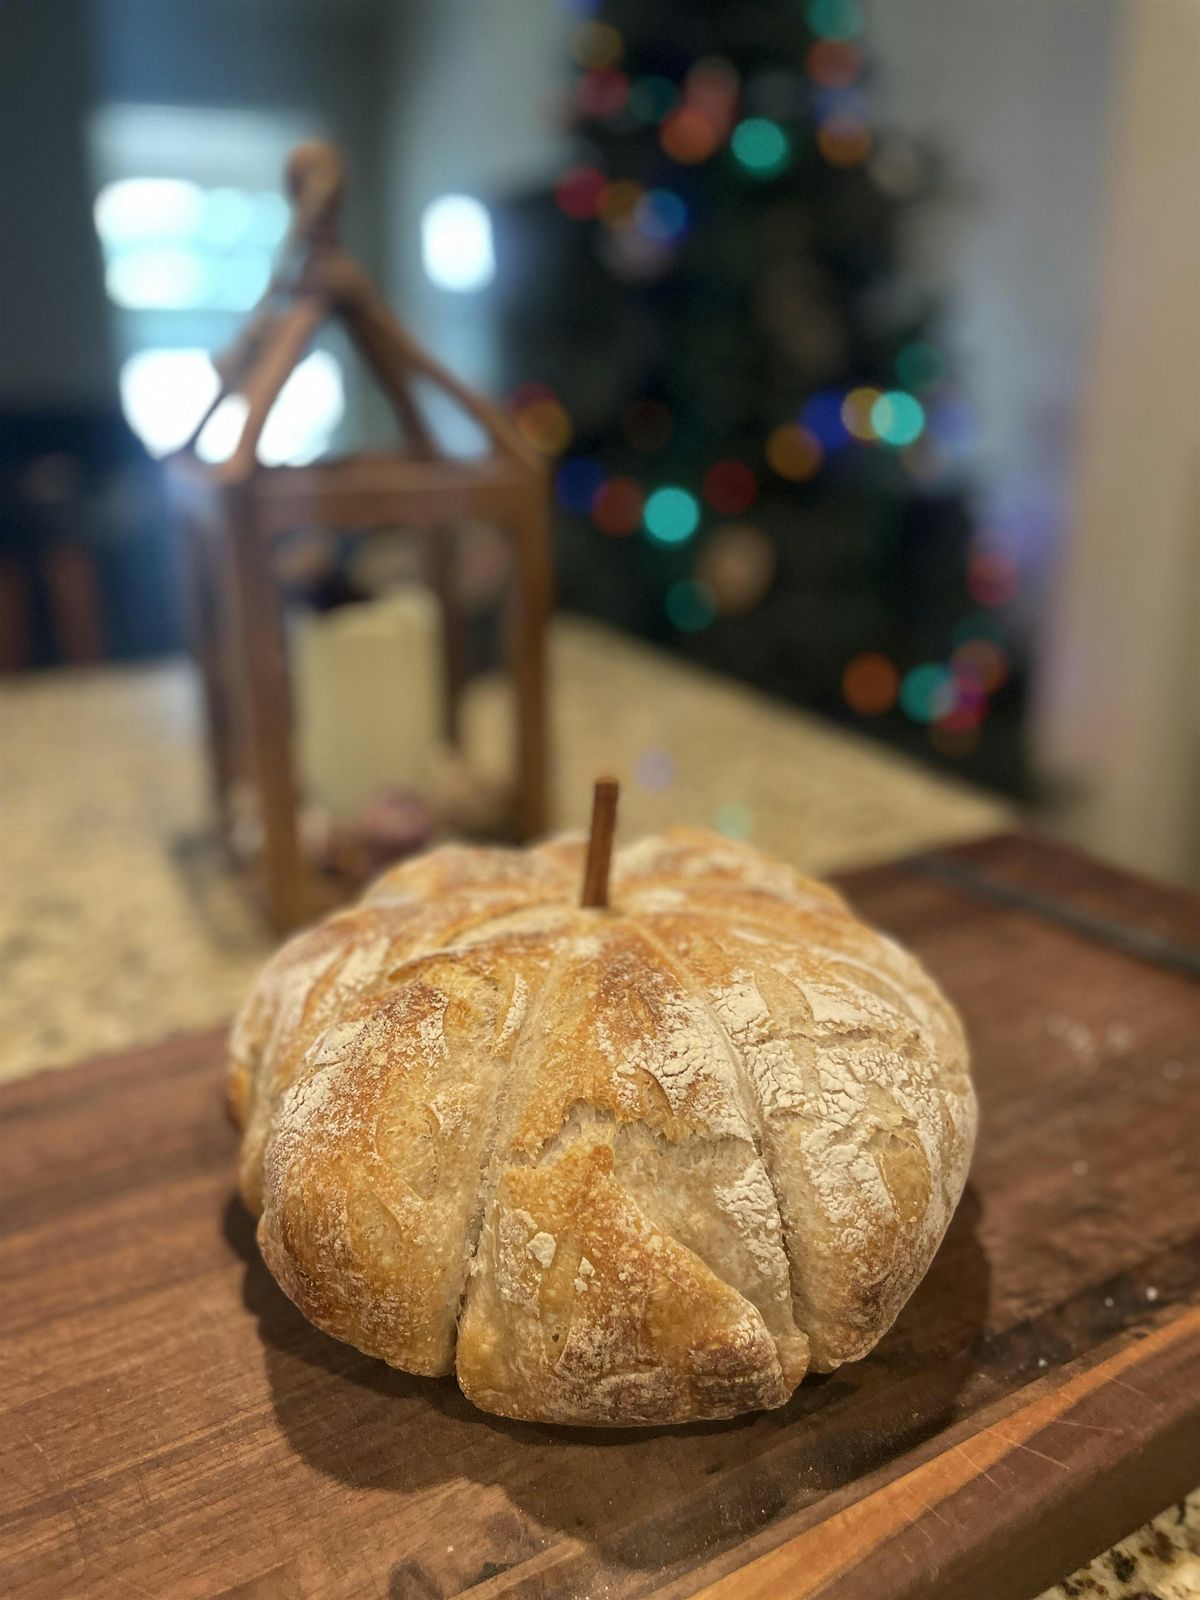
233, 512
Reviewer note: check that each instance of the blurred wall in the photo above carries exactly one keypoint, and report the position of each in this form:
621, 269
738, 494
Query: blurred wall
54, 344
311, 57
474, 109
1018, 99
61, 58
1118, 724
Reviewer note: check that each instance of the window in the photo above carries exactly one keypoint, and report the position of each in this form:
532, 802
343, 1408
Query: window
189, 215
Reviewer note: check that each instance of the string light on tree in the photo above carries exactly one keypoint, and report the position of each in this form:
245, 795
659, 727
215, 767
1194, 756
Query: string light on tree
928, 692
602, 94
844, 140
856, 413
993, 578
822, 416
744, 371
545, 425
691, 605
672, 515
870, 684
577, 482
662, 214
794, 452
579, 192
979, 625
597, 44
832, 63
619, 202
651, 98
617, 506
760, 147
688, 137
738, 563
898, 417
729, 487
983, 660
835, 19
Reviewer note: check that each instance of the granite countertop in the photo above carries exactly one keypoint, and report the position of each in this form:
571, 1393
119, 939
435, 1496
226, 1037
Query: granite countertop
117, 927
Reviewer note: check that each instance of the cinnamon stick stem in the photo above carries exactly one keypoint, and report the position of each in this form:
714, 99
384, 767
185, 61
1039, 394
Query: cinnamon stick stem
600, 842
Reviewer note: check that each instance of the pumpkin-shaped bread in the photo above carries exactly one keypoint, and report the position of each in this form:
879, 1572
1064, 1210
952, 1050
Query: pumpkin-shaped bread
635, 1165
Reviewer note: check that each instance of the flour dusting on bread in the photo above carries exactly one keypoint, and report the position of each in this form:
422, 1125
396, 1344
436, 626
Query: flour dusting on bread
631, 1166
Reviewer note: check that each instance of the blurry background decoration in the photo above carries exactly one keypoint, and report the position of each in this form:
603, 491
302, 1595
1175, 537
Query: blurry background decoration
374, 714
799, 299
759, 433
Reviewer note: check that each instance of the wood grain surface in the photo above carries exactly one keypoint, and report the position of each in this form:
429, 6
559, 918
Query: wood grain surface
172, 1427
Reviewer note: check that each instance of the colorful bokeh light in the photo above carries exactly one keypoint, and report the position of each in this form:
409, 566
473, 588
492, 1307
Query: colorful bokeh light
734, 821
602, 94
870, 684
546, 426
729, 487
619, 202
712, 86
822, 416
738, 563
920, 366
650, 99
691, 605
662, 214
832, 63
688, 137
898, 417
597, 44
794, 452
761, 147
979, 625
617, 507
856, 412
654, 770
981, 661
672, 515
928, 692
579, 192
526, 394
835, 19
993, 578
577, 482
844, 140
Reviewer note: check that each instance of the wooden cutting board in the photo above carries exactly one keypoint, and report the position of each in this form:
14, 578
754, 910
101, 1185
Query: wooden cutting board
172, 1427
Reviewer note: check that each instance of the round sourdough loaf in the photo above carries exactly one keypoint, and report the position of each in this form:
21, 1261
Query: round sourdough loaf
635, 1165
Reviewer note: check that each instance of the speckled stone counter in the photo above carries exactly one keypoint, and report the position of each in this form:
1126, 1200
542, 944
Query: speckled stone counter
110, 936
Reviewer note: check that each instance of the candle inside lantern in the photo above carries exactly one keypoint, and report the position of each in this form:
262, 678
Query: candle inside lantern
368, 699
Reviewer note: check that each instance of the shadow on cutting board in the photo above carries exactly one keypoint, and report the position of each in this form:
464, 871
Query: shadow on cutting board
646, 1496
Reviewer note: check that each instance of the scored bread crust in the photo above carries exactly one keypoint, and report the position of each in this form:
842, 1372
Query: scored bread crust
628, 1166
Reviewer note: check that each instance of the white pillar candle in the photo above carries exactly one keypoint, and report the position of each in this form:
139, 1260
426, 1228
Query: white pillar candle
369, 690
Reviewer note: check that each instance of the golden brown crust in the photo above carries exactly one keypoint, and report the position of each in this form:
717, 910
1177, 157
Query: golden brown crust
614, 1167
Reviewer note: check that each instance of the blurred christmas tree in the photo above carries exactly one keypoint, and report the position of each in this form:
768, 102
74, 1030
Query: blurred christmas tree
757, 437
